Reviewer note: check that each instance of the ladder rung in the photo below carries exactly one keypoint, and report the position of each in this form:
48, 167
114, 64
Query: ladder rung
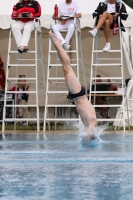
22, 65
29, 59
58, 65
57, 78
101, 59
105, 82
7, 99
128, 99
105, 92
26, 52
57, 82
104, 78
21, 78
57, 92
72, 51
26, 82
20, 105
108, 105
62, 119
20, 119
127, 110
107, 64
16, 92
110, 119
69, 105
111, 51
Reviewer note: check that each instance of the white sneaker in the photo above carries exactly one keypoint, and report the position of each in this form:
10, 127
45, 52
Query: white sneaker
93, 32
66, 47
107, 47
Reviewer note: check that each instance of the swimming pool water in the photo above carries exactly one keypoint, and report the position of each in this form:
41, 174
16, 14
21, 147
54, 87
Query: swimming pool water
61, 167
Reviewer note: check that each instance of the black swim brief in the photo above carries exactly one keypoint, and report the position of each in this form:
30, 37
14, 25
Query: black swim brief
81, 93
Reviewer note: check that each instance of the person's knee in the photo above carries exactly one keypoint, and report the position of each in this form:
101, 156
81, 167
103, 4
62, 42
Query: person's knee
14, 27
67, 68
107, 23
71, 27
105, 14
29, 28
66, 71
55, 28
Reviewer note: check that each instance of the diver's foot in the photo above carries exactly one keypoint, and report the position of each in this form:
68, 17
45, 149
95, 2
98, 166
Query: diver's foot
54, 39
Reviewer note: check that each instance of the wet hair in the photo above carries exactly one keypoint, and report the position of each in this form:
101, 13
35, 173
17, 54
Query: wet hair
20, 1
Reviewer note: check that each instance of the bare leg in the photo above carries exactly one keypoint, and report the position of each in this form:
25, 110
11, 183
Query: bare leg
103, 18
106, 28
71, 80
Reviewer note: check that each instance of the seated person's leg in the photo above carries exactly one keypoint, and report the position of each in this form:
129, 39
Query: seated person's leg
106, 29
102, 19
70, 32
56, 29
17, 27
28, 28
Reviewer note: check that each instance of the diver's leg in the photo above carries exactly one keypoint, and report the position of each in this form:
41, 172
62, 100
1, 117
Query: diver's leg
72, 82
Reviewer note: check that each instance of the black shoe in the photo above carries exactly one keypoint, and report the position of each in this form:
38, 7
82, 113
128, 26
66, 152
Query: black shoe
25, 50
20, 50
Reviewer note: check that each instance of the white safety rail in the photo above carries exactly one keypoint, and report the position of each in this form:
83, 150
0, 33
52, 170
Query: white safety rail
115, 64
57, 79
21, 62
128, 105
128, 101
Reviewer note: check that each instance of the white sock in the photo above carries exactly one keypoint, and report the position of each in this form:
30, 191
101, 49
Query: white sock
108, 43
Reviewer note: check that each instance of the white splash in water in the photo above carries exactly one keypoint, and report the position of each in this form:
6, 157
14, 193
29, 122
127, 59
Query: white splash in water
90, 136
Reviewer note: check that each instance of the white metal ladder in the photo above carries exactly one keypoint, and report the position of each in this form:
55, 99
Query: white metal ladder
96, 62
59, 81
35, 60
